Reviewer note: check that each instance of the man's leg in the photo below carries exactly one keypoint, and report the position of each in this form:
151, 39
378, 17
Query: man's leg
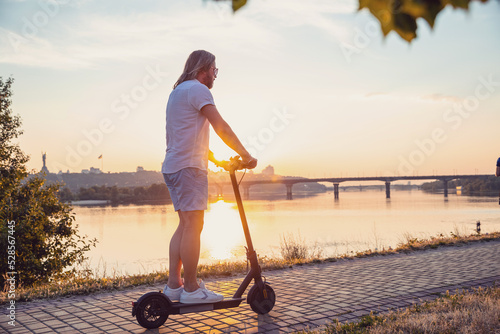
190, 246
175, 262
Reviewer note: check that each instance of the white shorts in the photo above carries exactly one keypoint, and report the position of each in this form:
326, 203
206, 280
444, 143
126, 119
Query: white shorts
188, 189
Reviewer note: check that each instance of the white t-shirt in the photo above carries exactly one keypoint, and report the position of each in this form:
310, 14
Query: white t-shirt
187, 128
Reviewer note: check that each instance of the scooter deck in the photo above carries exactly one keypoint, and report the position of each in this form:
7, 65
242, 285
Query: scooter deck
180, 308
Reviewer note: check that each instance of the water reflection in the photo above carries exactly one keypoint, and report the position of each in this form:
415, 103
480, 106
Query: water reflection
222, 237
134, 239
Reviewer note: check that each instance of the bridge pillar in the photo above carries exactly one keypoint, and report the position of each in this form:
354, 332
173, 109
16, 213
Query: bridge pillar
387, 189
445, 183
219, 190
289, 191
246, 192
336, 190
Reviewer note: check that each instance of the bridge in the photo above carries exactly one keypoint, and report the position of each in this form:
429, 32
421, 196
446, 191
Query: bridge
290, 181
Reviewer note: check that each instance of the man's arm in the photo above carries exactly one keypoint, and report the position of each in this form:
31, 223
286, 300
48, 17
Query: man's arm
224, 131
218, 163
211, 157
498, 171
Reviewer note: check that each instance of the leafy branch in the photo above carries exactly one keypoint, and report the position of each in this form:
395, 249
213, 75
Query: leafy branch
398, 15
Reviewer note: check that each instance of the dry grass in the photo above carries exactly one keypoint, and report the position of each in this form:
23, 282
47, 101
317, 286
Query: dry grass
82, 283
475, 312
86, 281
411, 243
293, 248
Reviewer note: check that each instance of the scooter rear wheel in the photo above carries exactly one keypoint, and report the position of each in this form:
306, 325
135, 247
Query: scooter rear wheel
261, 300
152, 312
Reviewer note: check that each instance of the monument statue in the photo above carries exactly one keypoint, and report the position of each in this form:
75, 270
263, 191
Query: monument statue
44, 159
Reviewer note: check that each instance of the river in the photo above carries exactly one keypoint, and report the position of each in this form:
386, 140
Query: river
134, 239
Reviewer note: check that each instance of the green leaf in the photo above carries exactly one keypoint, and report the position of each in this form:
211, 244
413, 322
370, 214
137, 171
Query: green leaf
382, 10
464, 4
237, 4
426, 9
406, 26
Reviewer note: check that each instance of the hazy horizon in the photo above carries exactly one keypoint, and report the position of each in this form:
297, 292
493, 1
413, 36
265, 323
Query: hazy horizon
313, 88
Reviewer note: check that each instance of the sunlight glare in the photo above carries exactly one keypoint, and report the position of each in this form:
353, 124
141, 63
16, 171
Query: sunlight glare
222, 234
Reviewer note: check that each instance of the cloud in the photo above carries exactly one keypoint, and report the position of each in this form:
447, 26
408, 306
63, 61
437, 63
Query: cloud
395, 96
436, 97
297, 13
35, 52
90, 39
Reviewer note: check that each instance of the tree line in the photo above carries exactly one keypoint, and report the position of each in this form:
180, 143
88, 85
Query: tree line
118, 195
470, 186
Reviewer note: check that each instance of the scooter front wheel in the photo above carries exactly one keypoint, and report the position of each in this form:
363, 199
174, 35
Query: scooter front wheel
261, 300
152, 312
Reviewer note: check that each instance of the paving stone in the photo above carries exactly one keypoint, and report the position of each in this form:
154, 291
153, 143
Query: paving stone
307, 296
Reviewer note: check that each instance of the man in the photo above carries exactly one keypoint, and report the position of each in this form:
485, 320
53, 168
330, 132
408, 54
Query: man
190, 110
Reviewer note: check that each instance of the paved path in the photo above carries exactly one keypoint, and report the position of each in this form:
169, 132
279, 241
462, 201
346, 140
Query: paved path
307, 295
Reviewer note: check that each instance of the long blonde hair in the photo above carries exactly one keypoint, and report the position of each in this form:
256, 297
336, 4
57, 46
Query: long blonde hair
199, 60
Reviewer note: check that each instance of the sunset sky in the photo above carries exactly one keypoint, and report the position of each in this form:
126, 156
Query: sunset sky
311, 87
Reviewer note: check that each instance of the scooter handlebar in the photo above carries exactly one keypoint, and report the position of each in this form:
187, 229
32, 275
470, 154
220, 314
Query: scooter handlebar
235, 163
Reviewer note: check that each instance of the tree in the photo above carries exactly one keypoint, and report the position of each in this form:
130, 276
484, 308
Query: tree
36, 227
399, 15
65, 194
12, 159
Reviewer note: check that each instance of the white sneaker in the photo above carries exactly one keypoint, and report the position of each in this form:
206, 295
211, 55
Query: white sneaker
173, 294
202, 295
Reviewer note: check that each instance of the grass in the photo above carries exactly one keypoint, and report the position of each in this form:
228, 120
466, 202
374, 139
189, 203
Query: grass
86, 281
294, 248
468, 311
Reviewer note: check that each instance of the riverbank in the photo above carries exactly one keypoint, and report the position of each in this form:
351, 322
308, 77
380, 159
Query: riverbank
308, 296
85, 281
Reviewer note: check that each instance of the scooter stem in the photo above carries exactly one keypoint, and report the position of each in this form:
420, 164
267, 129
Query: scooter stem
239, 202
255, 270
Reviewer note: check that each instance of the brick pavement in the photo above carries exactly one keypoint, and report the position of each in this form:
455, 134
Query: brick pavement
308, 295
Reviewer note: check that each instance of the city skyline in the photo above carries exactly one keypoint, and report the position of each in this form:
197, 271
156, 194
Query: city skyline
312, 89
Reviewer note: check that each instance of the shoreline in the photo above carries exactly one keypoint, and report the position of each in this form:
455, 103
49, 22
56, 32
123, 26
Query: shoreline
86, 285
212, 198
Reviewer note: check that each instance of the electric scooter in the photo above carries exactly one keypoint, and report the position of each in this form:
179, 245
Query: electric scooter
153, 308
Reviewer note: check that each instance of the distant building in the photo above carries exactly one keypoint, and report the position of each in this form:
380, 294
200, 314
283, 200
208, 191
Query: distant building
95, 170
269, 171
140, 169
92, 171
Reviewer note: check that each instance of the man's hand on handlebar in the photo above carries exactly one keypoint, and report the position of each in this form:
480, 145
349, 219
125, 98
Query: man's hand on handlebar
249, 163
224, 164
236, 163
